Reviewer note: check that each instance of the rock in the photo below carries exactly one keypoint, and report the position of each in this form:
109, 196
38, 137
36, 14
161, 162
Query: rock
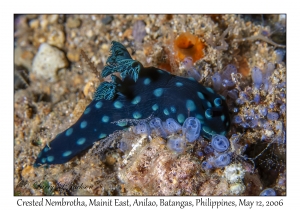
23, 58
56, 37
73, 23
73, 55
34, 24
48, 61
107, 19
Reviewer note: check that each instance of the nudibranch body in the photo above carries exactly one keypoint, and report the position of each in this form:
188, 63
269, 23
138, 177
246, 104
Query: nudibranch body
140, 93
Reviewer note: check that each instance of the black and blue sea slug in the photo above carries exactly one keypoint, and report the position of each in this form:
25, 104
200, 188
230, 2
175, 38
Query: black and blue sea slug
138, 94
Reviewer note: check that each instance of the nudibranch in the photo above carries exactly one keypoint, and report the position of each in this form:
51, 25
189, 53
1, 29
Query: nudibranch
139, 93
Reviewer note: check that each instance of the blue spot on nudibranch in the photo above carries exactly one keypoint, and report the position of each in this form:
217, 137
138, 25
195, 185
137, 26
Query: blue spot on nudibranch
200, 95
147, 81
208, 113
69, 131
160, 71
81, 141
136, 100
178, 84
155, 107
67, 153
206, 129
122, 124
222, 117
190, 105
208, 104
118, 104
209, 90
158, 92
192, 78
98, 104
217, 102
173, 109
166, 111
102, 135
83, 124
199, 117
137, 115
180, 118
105, 119
46, 149
50, 158
87, 110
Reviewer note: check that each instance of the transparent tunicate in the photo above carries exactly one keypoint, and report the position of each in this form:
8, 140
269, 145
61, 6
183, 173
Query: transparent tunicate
222, 160
256, 98
253, 123
206, 165
257, 77
191, 129
233, 94
219, 143
142, 128
282, 108
192, 72
237, 119
208, 149
171, 126
228, 83
263, 110
177, 144
123, 146
269, 69
199, 153
272, 116
228, 70
156, 124
279, 55
217, 81
268, 192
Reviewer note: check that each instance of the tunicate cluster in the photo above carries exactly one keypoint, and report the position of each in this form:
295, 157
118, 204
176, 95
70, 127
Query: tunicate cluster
191, 129
219, 144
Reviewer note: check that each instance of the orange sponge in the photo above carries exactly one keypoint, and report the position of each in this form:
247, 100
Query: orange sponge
188, 45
